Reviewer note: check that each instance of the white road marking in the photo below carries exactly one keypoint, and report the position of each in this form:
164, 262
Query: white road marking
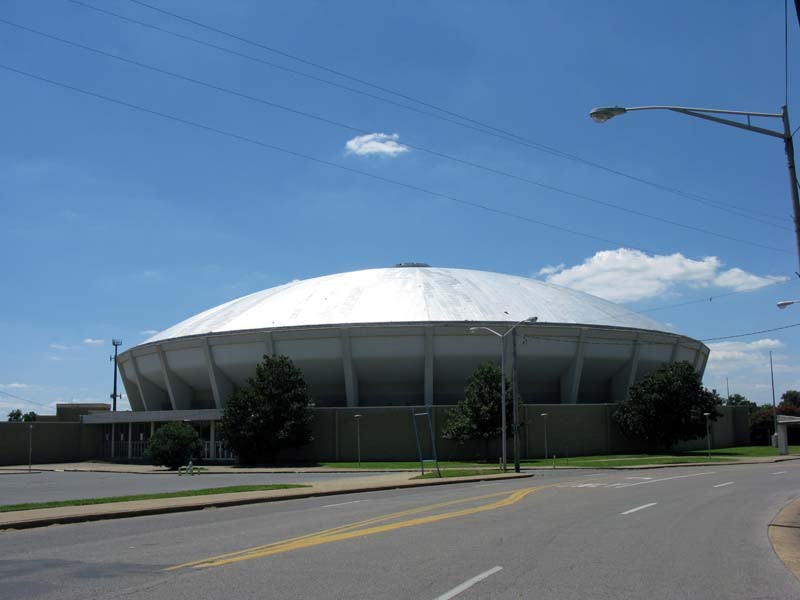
468, 584
780, 472
341, 503
487, 484
638, 508
724, 484
638, 478
667, 478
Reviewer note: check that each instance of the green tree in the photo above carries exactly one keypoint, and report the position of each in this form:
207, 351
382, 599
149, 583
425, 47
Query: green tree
667, 407
29, 416
272, 411
478, 415
15, 416
173, 444
739, 400
791, 398
762, 424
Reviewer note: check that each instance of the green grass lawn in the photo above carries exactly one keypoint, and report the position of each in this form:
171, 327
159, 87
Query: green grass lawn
232, 489
388, 465
458, 473
746, 451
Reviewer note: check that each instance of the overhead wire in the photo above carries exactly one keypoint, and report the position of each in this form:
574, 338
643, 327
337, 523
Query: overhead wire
353, 128
393, 92
21, 399
466, 122
314, 159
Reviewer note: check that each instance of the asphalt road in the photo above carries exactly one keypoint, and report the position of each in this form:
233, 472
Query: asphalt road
45, 486
682, 533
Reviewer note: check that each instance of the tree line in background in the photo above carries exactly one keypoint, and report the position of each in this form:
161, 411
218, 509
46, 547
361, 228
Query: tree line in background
17, 416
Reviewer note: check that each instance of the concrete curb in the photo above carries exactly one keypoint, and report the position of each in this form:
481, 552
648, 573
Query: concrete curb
219, 501
784, 534
666, 465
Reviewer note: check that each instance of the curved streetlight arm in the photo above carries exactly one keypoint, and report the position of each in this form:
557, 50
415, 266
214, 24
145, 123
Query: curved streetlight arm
602, 115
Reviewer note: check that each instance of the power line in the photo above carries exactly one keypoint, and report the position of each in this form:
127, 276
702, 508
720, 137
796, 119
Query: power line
314, 159
711, 298
470, 123
384, 89
353, 128
741, 335
10, 395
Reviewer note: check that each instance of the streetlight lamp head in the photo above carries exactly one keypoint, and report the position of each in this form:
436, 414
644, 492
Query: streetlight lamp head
785, 303
707, 414
543, 415
357, 416
604, 113
531, 319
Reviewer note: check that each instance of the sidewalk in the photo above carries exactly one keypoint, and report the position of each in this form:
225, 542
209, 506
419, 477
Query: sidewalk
42, 517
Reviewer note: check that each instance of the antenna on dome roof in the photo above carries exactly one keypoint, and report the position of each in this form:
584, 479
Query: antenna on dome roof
410, 264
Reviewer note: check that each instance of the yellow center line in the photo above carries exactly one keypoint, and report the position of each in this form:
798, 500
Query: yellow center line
340, 528
362, 529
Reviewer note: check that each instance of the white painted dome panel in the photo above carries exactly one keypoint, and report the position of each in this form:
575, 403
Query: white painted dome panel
409, 295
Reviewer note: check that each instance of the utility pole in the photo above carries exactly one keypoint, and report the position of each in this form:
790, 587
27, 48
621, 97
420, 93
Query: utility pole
515, 399
114, 394
774, 406
728, 387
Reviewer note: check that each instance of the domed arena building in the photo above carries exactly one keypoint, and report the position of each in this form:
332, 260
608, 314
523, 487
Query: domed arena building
396, 337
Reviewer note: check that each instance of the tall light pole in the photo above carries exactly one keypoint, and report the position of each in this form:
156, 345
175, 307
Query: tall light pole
114, 394
601, 115
358, 438
502, 336
708, 434
774, 407
544, 416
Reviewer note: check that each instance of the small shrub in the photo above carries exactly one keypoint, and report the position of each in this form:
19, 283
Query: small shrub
173, 444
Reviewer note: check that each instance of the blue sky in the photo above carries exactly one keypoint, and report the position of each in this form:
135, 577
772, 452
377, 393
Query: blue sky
116, 222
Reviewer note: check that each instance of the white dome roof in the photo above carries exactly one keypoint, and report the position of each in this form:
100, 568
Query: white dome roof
408, 294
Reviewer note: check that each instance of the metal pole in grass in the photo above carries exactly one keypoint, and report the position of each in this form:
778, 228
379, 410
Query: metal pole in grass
358, 437
708, 434
30, 446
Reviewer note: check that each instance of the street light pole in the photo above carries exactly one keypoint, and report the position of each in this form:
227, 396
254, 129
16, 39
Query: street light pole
30, 446
116, 343
503, 429
774, 407
544, 416
708, 435
358, 438
603, 114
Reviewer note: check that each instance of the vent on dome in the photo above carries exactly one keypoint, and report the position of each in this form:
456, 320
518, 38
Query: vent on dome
410, 264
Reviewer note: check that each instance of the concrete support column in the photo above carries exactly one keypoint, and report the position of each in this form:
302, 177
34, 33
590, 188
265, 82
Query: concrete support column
130, 441
150, 393
212, 454
350, 376
675, 349
269, 344
221, 386
180, 394
783, 439
571, 380
113, 440
428, 366
625, 377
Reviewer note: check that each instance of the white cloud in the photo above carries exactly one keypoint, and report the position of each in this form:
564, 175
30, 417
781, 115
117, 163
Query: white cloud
16, 386
375, 143
55, 346
93, 342
625, 275
148, 332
